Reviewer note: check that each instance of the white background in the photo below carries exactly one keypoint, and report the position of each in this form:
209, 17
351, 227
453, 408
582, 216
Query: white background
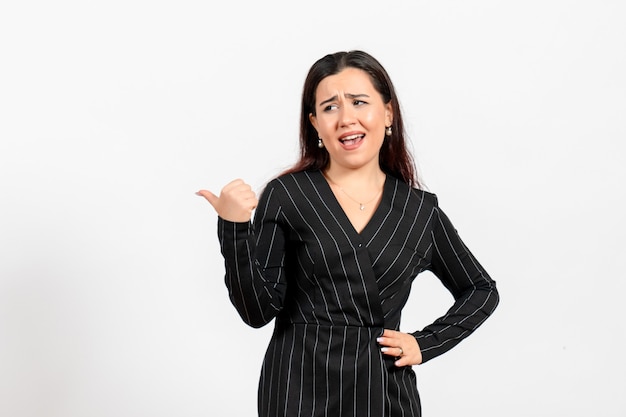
112, 114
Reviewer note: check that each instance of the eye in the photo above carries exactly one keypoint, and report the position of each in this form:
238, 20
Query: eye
358, 102
330, 107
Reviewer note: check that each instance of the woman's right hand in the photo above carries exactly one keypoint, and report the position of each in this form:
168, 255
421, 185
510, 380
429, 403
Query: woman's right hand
235, 202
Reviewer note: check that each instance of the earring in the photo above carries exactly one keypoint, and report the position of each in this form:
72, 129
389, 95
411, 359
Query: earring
388, 131
320, 144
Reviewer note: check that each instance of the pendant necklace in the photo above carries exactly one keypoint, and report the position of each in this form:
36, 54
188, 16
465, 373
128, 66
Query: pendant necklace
361, 205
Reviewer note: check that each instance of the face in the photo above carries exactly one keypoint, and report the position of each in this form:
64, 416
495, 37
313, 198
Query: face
351, 118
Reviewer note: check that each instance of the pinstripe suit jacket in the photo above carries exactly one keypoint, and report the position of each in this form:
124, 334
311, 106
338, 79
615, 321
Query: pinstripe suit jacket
332, 291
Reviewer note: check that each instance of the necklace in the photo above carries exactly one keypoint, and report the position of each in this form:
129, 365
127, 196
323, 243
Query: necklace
361, 205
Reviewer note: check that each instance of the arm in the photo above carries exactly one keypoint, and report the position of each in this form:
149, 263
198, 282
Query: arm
253, 259
474, 292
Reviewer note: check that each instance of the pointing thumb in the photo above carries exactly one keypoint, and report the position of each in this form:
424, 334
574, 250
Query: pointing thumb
210, 197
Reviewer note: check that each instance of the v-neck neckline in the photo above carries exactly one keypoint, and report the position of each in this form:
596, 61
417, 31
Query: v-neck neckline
329, 196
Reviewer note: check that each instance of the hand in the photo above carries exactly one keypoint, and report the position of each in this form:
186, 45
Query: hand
235, 203
404, 346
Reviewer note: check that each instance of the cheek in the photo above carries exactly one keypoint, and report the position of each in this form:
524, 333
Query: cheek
374, 119
325, 125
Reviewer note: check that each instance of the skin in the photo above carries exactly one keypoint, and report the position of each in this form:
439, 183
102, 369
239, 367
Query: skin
235, 203
347, 104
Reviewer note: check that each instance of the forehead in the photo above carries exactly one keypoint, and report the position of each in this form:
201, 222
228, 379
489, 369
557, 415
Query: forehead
349, 80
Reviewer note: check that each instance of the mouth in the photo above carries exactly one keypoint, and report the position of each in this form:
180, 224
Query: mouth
352, 140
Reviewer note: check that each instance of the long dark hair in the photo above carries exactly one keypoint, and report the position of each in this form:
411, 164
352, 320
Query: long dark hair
394, 158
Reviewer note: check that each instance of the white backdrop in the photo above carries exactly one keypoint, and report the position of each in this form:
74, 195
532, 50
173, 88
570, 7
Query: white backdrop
112, 114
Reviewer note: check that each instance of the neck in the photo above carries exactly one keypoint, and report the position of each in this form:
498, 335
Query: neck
361, 177
361, 187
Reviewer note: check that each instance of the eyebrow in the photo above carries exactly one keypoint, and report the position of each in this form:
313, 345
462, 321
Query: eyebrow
348, 95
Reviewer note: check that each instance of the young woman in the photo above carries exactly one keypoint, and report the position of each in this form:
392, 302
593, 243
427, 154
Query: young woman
334, 247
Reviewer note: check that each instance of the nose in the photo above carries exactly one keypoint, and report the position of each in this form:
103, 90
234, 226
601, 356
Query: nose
348, 116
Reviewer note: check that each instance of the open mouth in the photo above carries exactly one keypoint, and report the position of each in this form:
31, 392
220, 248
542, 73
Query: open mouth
352, 139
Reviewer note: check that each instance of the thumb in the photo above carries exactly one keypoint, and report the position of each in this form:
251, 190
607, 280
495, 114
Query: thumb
209, 196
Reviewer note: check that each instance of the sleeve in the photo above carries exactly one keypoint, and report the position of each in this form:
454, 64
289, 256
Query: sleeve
254, 261
475, 294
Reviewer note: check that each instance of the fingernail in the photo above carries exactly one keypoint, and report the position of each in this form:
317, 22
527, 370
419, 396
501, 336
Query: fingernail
384, 349
379, 339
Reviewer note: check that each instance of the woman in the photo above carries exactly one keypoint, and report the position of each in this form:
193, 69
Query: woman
336, 243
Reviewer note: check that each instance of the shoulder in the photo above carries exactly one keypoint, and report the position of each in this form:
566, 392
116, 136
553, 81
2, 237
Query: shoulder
296, 176
426, 196
293, 180
417, 195
289, 184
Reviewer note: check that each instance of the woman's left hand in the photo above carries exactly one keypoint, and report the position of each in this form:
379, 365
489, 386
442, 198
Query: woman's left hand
403, 346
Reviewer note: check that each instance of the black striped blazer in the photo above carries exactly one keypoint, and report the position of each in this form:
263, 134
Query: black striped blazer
332, 291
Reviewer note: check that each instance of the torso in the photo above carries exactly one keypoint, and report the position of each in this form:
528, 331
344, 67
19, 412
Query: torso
349, 273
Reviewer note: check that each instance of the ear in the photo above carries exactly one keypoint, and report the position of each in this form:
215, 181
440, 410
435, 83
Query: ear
388, 114
313, 120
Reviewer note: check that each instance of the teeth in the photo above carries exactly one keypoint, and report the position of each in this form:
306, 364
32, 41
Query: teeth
351, 137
